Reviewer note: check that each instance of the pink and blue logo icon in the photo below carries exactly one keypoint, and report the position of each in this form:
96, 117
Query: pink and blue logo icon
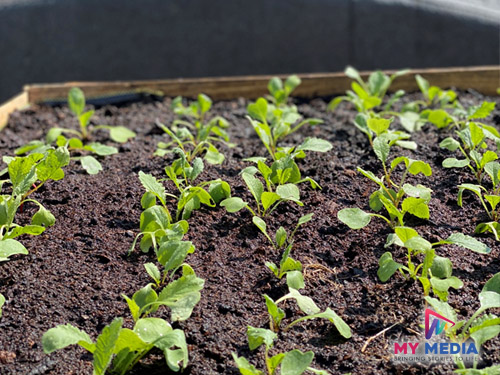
439, 324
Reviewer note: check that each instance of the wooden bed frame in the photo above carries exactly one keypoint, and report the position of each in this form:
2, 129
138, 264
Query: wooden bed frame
483, 79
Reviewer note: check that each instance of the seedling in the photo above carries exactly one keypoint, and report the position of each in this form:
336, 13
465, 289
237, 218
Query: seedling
480, 327
118, 349
461, 117
375, 126
157, 223
171, 255
293, 362
280, 92
26, 175
391, 195
308, 307
491, 207
282, 239
435, 96
434, 272
274, 124
79, 138
473, 140
368, 95
266, 200
193, 133
291, 268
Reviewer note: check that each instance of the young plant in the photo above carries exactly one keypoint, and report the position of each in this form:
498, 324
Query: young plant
472, 141
267, 200
434, 272
435, 96
367, 95
157, 224
280, 91
398, 198
308, 307
273, 124
26, 175
118, 349
375, 126
293, 362
282, 239
480, 327
193, 133
490, 201
79, 141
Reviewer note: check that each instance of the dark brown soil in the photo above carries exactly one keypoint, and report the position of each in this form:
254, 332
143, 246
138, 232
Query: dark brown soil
77, 270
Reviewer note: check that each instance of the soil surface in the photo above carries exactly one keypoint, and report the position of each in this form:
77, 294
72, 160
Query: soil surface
77, 270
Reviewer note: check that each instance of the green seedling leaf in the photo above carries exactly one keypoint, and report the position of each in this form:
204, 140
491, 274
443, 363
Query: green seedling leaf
439, 117
254, 185
306, 304
233, 204
105, 345
492, 226
151, 329
64, 335
213, 156
441, 267
289, 192
152, 186
304, 219
455, 163
76, 100
295, 279
483, 111
381, 148
295, 362
219, 191
244, 366
9, 247
268, 199
91, 165
493, 170
120, 134
172, 254
418, 243
50, 168
450, 144
493, 200
378, 125
2, 302
493, 284
330, 315
259, 336
258, 110
315, 144
387, 267
291, 83
416, 206
276, 314
261, 224
22, 173
181, 296
418, 191
154, 272
410, 121
489, 300
476, 189
280, 237
100, 149
354, 218
468, 242
405, 233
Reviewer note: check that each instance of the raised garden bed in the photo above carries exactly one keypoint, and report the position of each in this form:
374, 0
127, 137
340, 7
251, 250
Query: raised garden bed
78, 269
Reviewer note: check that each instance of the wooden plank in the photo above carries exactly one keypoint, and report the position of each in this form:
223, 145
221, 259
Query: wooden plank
483, 79
17, 102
